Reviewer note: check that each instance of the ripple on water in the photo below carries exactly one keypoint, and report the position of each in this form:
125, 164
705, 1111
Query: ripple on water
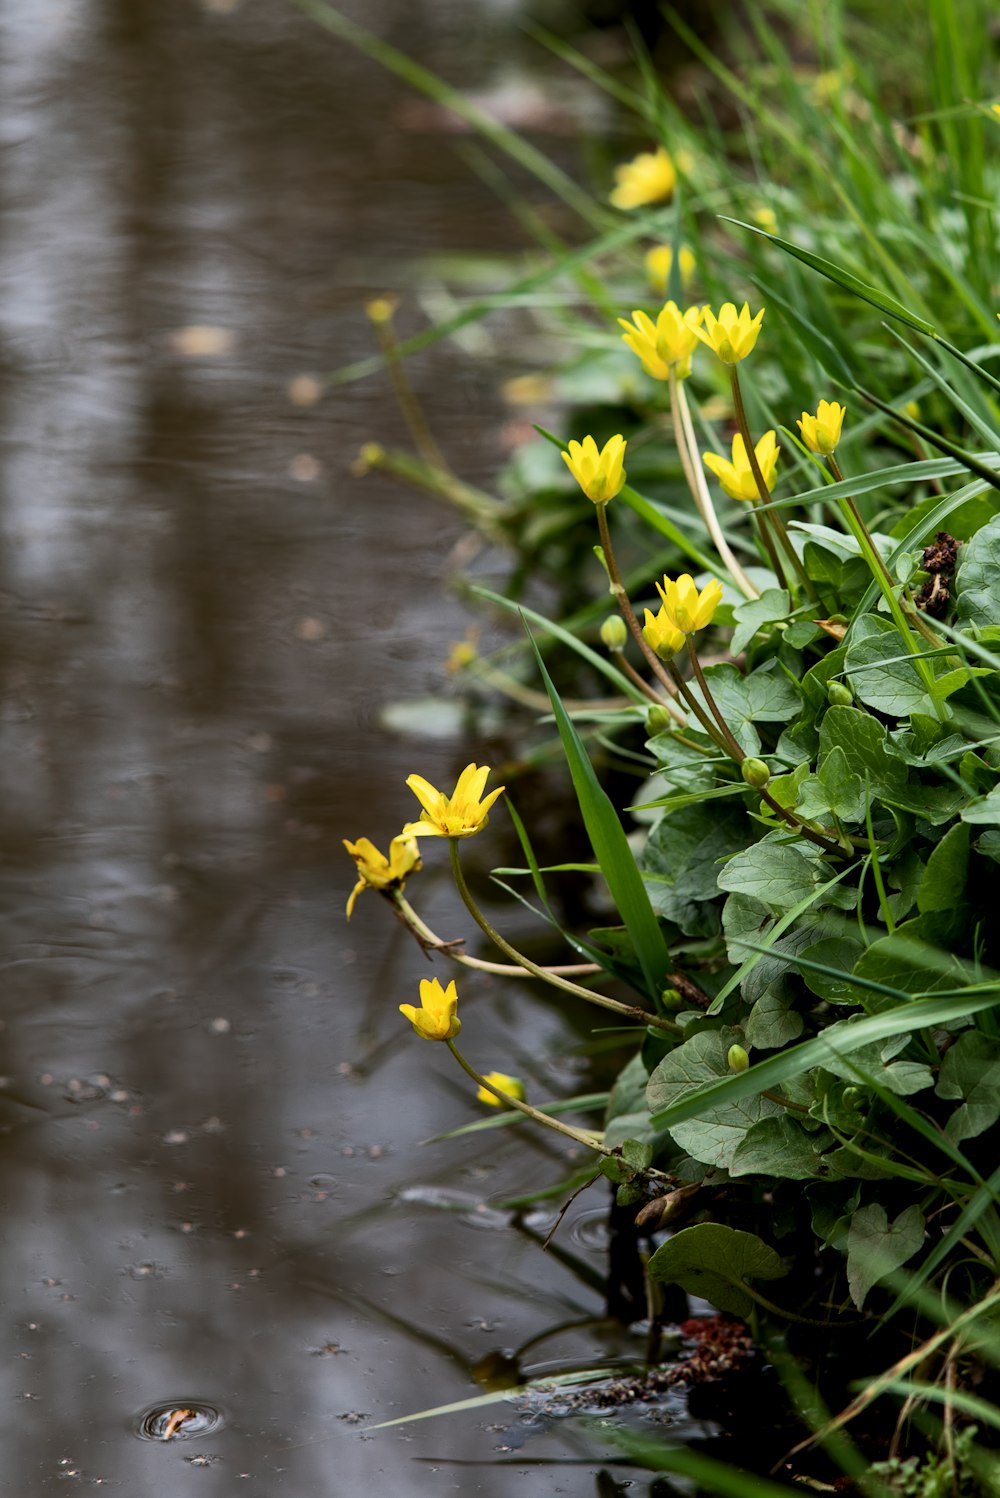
590, 1231
177, 1420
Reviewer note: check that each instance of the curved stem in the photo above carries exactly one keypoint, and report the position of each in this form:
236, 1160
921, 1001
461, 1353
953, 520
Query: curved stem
581, 1136
703, 717
628, 613
430, 941
629, 1011
695, 475
641, 682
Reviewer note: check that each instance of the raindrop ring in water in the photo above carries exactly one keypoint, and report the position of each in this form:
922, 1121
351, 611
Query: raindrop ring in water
177, 1420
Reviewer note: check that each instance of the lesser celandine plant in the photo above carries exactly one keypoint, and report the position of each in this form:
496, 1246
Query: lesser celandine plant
807, 906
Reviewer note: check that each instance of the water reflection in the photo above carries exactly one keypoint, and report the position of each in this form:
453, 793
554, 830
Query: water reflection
211, 1112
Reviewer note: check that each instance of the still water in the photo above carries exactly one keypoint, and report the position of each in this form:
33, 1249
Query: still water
215, 1196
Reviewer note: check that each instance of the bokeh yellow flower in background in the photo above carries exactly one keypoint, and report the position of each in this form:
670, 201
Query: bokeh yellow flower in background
666, 344
660, 262
649, 177
375, 871
458, 815
732, 334
736, 477
437, 1017
601, 475
821, 432
687, 609
512, 1085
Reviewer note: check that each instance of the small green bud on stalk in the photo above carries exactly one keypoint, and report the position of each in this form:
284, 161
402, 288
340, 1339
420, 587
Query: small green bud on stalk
657, 721
670, 999
755, 773
614, 633
737, 1058
839, 694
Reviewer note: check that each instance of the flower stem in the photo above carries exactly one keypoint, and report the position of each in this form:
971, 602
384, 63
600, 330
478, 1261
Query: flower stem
581, 1136
431, 942
695, 475
765, 494
640, 681
880, 573
628, 613
629, 1011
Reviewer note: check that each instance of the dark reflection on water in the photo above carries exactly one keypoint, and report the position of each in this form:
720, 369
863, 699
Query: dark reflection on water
211, 1109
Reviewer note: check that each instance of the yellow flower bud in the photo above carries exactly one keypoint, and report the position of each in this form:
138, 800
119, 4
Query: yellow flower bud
737, 1059
732, 334
737, 478
378, 872
614, 633
649, 177
458, 815
662, 635
436, 1019
601, 475
659, 263
513, 1086
821, 432
685, 608
666, 344
755, 773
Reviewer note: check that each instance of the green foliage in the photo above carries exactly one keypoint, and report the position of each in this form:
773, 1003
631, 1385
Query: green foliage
718, 1263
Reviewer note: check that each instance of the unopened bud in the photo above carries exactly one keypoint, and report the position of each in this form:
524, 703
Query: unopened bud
614, 633
755, 773
737, 1058
839, 694
670, 998
657, 721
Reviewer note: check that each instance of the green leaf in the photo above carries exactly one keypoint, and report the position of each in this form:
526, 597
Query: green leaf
977, 580
865, 744
875, 1250
715, 1135
765, 696
751, 616
637, 1154
684, 850
882, 680
841, 277
670, 1108
971, 1071
773, 872
835, 790
717, 1262
778, 1146
943, 882
611, 849
985, 812
869, 1063
773, 1021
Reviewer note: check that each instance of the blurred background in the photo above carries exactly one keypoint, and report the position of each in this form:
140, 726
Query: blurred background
215, 1194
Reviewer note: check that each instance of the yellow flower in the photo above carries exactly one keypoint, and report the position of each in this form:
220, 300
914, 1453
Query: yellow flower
766, 218
659, 262
458, 815
661, 635
667, 343
649, 178
821, 432
599, 474
500, 1079
437, 1017
686, 608
737, 477
732, 334
378, 872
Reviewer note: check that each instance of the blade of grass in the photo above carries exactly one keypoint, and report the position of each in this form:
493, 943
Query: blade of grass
612, 851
